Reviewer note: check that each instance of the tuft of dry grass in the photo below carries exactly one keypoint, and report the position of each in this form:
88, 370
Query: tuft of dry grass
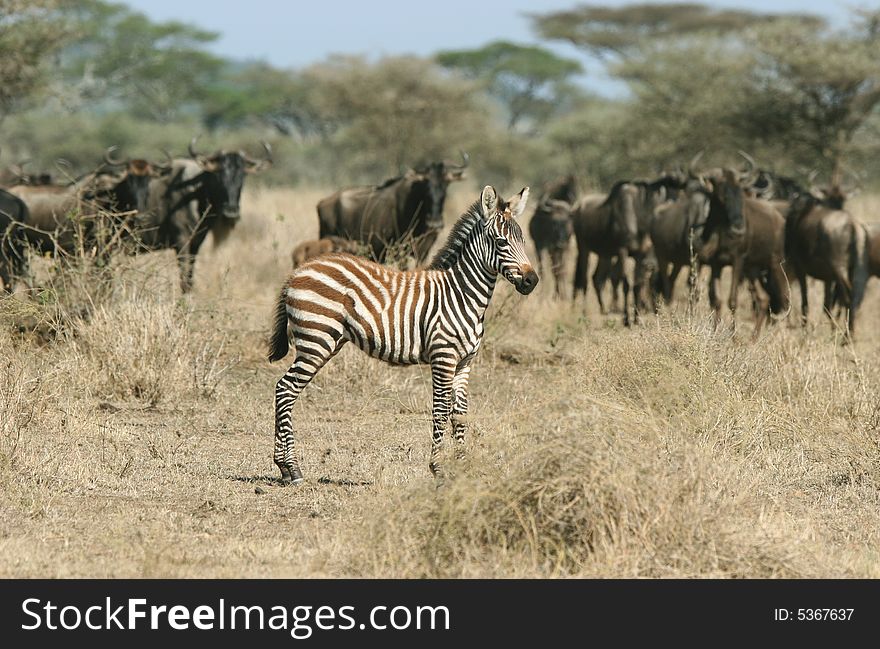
134, 438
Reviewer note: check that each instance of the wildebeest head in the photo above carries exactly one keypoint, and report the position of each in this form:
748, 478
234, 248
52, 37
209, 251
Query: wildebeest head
129, 190
622, 201
560, 228
223, 178
134, 189
726, 198
433, 180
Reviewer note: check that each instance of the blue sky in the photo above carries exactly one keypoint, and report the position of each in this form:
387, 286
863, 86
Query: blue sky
296, 33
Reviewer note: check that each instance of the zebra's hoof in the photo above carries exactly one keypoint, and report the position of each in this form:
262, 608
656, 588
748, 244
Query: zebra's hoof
291, 476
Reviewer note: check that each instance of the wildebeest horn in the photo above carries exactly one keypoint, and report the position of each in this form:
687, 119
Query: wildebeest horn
748, 176
749, 159
167, 155
465, 161
109, 160
192, 147
268, 149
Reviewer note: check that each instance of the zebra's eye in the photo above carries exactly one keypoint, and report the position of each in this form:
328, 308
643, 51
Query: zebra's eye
500, 241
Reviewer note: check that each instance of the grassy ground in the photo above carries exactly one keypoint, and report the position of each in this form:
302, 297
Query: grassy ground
138, 443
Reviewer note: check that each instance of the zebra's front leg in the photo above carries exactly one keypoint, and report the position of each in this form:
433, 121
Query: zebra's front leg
460, 405
442, 377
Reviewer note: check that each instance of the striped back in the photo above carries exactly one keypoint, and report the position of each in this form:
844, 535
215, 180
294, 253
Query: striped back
408, 316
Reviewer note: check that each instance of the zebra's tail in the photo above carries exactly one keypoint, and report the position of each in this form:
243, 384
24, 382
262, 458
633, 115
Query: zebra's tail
280, 343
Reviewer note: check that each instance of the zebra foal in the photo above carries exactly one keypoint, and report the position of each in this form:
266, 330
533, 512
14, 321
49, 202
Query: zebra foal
431, 316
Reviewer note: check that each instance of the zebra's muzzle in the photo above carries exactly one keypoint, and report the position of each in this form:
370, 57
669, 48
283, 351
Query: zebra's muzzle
527, 283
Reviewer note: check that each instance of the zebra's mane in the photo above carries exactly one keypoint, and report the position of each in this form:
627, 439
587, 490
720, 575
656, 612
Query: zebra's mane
461, 232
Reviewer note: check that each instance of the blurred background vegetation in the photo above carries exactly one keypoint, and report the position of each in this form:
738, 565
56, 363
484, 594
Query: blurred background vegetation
794, 91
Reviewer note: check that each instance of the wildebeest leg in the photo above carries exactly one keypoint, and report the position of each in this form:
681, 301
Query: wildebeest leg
669, 287
442, 377
735, 280
309, 359
805, 306
830, 299
624, 280
580, 272
460, 405
714, 300
844, 290
616, 275
693, 292
186, 263
557, 263
600, 276
761, 304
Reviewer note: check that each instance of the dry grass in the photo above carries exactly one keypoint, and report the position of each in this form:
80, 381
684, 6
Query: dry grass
133, 443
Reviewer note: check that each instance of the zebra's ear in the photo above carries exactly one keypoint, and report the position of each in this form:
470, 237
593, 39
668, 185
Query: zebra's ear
489, 201
518, 203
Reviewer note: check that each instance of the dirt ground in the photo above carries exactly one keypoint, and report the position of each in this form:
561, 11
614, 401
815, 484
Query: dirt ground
138, 442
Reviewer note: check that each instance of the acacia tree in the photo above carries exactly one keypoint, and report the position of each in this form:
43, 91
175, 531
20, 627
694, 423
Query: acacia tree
619, 33
785, 84
822, 86
531, 82
155, 69
393, 113
30, 32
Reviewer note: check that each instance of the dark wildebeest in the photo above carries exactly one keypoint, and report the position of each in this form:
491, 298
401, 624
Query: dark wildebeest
747, 234
407, 210
770, 186
824, 241
201, 194
551, 228
16, 175
13, 251
674, 235
873, 230
49, 225
316, 247
612, 226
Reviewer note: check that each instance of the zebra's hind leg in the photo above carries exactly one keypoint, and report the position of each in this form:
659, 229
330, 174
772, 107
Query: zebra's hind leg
442, 375
309, 359
460, 405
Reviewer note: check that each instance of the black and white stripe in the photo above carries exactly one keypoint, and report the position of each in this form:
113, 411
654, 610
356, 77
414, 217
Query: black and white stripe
431, 316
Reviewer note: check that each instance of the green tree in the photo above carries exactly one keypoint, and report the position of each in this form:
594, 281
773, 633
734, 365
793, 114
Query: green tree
155, 69
531, 82
30, 32
817, 86
622, 32
393, 113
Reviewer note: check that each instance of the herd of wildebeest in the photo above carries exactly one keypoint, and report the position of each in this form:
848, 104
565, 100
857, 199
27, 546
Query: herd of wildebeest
768, 228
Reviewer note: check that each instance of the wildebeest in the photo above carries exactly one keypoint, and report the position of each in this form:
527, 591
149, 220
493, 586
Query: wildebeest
772, 186
50, 208
316, 247
873, 230
200, 195
13, 258
615, 226
407, 210
824, 241
551, 228
747, 234
674, 231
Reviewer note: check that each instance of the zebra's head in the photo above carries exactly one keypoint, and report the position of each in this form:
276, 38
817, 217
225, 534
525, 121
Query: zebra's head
506, 252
